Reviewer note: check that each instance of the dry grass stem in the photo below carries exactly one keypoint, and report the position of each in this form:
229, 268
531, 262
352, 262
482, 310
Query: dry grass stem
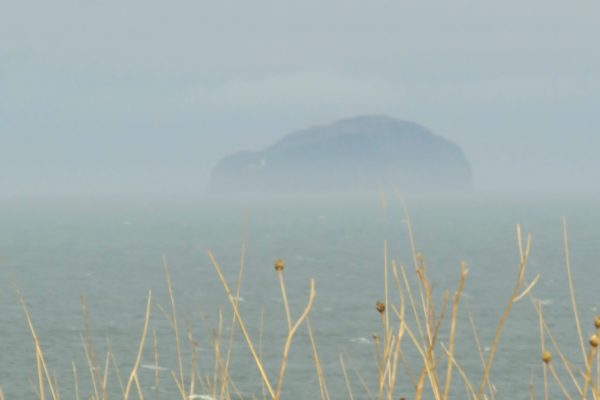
480, 350
504, 317
346, 380
322, 386
571, 288
173, 318
463, 275
242, 326
75, 380
115, 366
91, 353
136, 364
42, 368
292, 332
359, 376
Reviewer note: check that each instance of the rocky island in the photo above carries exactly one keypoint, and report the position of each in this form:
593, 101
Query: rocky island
351, 155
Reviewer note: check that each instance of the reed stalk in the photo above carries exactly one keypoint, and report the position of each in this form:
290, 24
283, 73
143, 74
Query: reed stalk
136, 364
504, 317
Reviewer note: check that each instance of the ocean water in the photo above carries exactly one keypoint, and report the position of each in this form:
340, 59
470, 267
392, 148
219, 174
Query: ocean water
111, 250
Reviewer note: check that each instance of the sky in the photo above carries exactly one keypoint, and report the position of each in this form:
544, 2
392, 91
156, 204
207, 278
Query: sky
103, 97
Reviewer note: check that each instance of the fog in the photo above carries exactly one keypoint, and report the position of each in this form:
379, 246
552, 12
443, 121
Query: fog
146, 96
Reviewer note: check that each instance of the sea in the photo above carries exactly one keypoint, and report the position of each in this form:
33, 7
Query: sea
109, 253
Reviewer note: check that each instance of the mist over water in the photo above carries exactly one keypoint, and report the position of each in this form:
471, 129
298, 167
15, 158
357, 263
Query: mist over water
111, 250
129, 130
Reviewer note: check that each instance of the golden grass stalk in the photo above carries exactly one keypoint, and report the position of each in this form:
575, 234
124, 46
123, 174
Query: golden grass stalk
106, 365
194, 359
588, 373
397, 352
218, 362
319, 370
400, 353
480, 350
75, 380
284, 297
90, 352
411, 300
90, 367
559, 382
39, 354
38, 363
386, 319
461, 371
290, 336
504, 317
566, 363
427, 368
463, 275
236, 312
346, 380
546, 357
133, 374
225, 379
155, 354
260, 347
175, 327
571, 289
359, 376
115, 366
56, 385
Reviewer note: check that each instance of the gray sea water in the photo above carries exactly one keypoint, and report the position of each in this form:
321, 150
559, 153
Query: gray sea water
110, 250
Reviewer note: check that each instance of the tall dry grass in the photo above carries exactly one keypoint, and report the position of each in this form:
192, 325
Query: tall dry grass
411, 321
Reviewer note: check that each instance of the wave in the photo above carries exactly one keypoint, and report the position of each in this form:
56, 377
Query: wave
361, 340
154, 367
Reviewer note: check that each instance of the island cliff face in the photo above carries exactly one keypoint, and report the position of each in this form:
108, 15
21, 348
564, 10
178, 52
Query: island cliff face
352, 155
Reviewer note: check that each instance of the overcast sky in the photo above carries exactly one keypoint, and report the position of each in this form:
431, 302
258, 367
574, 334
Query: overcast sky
145, 96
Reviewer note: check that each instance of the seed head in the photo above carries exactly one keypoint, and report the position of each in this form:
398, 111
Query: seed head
546, 357
594, 340
380, 307
597, 322
279, 265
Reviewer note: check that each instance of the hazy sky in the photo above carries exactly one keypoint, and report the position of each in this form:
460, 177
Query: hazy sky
145, 96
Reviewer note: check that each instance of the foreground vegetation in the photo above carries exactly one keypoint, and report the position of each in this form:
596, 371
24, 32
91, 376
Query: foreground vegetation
411, 321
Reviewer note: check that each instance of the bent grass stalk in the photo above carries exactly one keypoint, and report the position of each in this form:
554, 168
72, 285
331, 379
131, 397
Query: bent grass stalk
292, 332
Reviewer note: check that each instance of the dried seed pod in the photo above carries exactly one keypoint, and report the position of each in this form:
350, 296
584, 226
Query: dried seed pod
380, 307
594, 340
279, 265
546, 357
597, 322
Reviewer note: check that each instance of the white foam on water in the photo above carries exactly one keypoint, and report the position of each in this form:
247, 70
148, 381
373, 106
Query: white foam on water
361, 340
154, 367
